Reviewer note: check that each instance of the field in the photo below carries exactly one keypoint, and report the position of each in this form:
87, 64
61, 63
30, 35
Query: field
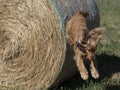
108, 53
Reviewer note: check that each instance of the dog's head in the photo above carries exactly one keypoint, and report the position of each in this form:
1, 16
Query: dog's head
93, 38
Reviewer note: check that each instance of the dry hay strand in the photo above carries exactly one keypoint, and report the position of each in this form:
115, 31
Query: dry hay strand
32, 47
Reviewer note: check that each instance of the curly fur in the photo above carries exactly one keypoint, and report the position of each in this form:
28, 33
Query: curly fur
77, 32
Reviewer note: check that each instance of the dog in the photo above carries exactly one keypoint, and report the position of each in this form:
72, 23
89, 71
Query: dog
84, 43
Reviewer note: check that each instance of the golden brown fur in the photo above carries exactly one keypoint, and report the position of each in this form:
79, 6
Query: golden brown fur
77, 32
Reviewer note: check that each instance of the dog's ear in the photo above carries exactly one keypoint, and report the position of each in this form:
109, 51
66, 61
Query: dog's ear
85, 14
94, 36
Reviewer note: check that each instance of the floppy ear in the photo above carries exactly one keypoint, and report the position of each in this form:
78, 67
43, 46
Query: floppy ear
94, 36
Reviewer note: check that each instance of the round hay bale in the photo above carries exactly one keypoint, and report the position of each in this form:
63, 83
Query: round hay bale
33, 53
32, 47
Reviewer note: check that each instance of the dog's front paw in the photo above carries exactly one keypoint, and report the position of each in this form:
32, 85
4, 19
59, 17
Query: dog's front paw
84, 74
95, 74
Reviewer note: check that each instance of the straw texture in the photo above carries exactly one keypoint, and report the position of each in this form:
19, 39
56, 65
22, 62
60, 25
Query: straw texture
32, 47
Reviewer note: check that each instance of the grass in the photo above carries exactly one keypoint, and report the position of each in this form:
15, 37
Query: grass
110, 15
108, 52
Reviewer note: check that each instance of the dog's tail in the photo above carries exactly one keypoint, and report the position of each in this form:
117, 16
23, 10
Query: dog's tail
85, 14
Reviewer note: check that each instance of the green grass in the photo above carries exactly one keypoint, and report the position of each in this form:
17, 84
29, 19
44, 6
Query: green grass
108, 52
110, 20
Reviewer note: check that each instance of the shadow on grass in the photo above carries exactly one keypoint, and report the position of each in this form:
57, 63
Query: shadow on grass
112, 88
108, 65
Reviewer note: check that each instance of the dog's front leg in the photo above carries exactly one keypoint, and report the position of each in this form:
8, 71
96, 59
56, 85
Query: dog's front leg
80, 64
93, 68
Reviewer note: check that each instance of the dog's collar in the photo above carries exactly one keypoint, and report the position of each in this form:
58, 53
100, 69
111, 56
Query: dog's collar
81, 47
